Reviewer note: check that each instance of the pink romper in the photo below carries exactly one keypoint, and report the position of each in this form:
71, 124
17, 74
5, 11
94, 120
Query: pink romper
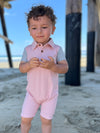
42, 87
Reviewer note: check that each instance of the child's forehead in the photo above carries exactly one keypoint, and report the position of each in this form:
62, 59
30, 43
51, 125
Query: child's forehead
41, 18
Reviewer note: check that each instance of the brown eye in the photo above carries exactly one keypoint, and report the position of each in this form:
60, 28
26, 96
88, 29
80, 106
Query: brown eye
34, 28
44, 27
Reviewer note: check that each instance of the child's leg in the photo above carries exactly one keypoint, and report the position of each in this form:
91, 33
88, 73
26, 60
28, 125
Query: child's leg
47, 111
29, 110
46, 125
25, 124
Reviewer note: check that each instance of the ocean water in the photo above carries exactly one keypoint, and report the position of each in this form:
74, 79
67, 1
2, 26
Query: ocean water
4, 58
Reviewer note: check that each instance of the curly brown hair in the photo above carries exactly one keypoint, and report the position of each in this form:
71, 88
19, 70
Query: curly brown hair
41, 10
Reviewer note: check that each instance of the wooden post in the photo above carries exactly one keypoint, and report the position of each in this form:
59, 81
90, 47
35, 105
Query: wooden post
97, 2
91, 36
98, 45
5, 34
73, 39
97, 39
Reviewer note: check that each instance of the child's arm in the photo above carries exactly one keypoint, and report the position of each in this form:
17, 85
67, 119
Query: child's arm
61, 67
26, 66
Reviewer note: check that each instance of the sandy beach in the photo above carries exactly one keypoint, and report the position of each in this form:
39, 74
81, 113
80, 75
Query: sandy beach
78, 108
16, 63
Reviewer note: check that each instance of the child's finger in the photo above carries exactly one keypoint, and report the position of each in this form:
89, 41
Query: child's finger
35, 58
43, 60
42, 63
51, 58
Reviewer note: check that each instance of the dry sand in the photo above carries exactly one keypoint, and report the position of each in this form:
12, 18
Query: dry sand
16, 63
78, 108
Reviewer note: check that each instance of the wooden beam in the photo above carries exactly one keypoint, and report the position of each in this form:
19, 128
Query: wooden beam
6, 39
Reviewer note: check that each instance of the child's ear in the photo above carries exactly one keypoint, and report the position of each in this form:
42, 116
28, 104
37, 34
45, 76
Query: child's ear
53, 29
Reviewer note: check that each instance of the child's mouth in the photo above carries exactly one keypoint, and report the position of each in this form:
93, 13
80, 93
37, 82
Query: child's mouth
39, 36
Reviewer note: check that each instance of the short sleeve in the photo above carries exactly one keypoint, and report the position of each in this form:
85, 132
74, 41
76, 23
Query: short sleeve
24, 56
60, 55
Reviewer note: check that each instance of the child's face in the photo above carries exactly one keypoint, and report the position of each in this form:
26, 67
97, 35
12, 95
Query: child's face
41, 29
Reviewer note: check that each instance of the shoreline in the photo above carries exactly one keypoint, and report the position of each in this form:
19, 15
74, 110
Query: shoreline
16, 63
6, 64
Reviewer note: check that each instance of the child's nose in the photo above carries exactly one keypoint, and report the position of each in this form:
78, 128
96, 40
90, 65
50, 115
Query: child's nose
39, 30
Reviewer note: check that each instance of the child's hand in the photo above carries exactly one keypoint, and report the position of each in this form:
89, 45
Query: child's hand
48, 64
34, 62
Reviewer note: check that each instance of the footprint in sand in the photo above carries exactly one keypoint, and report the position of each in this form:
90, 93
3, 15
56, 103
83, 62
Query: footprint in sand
74, 118
95, 124
1, 70
86, 95
2, 96
64, 94
87, 120
97, 81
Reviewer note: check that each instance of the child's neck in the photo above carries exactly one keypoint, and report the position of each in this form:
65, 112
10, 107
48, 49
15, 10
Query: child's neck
46, 42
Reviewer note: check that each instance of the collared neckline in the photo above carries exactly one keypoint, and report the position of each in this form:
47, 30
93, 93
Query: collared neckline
50, 43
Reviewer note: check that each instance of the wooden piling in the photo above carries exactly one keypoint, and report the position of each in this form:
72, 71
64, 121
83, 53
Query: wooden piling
97, 39
91, 37
73, 40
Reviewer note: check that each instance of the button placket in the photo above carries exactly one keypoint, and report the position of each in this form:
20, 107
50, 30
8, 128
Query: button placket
42, 51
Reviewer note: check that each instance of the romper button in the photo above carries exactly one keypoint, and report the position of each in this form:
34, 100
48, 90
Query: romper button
41, 51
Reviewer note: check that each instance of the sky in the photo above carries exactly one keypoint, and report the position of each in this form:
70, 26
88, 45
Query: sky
17, 29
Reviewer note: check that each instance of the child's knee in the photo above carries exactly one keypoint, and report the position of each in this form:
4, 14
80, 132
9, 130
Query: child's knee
26, 121
46, 121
